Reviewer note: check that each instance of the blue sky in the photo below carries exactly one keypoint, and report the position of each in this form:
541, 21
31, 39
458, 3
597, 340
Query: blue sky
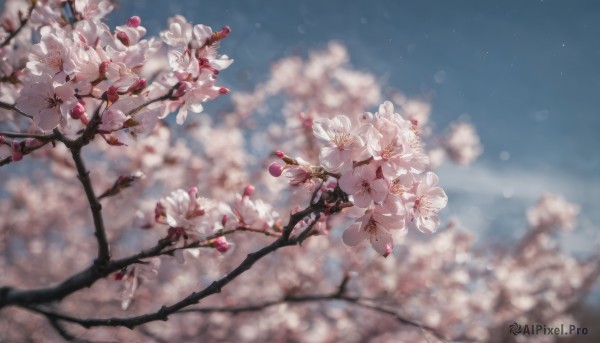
526, 73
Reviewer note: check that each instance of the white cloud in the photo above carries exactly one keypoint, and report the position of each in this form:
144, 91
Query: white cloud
492, 201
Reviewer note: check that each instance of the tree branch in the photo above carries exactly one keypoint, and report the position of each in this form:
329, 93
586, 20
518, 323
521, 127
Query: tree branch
215, 287
96, 208
88, 276
25, 150
166, 96
23, 22
28, 135
14, 108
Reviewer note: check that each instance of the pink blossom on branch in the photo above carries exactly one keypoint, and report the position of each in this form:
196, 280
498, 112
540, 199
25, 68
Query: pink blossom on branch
47, 101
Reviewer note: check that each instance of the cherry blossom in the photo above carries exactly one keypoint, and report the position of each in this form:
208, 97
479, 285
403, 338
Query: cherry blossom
364, 186
374, 226
184, 210
429, 200
343, 144
48, 102
91, 101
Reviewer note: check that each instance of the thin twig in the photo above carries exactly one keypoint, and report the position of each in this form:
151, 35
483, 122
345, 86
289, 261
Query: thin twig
14, 108
166, 96
28, 135
25, 151
66, 335
23, 22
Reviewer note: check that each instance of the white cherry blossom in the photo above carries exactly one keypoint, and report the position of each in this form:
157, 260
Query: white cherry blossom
362, 183
430, 199
47, 102
343, 144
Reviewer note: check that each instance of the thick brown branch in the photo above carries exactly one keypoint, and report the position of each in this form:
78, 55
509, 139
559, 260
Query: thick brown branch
96, 208
164, 312
87, 277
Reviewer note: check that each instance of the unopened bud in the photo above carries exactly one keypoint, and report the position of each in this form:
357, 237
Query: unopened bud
248, 191
77, 112
103, 67
112, 94
134, 21
224, 220
279, 153
219, 35
275, 169
137, 86
223, 90
221, 244
17, 154
122, 37
388, 249
226, 30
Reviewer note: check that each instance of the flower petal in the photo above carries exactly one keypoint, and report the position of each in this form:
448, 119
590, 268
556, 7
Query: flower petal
354, 235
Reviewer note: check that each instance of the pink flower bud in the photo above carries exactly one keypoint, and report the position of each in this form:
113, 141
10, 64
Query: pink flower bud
226, 30
223, 90
103, 67
275, 169
1, 139
137, 86
224, 220
17, 154
248, 191
134, 21
219, 35
112, 94
279, 153
77, 112
122, 37
388, 249
221, 244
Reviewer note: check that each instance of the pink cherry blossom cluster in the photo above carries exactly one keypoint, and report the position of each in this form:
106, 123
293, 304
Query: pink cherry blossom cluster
380, 162
67, 78
192, 218
79, 65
